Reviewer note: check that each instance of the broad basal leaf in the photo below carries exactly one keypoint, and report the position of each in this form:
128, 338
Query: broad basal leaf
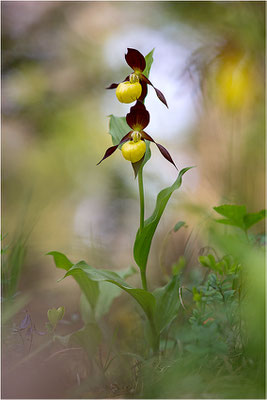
144, 238
107, 293
88, 287
144, 298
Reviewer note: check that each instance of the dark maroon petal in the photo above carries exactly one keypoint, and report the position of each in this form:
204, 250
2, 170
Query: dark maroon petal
165, 154
113, 86
111, 149
138, 117
144, 91
161, 148
158, 92
161, 96
135, 60
145, 79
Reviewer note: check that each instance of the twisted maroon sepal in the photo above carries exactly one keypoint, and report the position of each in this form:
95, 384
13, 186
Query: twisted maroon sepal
111, 149
161, 148
138, 119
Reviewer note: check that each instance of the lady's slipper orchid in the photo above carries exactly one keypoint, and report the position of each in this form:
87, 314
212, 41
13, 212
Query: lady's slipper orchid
134, 149
135, 85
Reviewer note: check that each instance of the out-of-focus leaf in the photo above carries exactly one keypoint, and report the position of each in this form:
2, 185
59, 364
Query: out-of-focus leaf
237, 216
89, 337
14, 263
61, 260
89, 287
208, 261
234, 214
178, 226
149, 61
145, 299
144, 237
107, 293
253, 218
10, 308
179, 265
167, 303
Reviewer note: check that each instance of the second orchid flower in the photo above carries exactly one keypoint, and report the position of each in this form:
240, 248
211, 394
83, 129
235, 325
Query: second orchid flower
134, 147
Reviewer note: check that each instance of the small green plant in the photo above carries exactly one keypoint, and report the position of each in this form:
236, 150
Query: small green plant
236, 215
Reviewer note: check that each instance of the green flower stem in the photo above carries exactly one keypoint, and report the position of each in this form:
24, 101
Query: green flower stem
143, 277
142, 217
142, 201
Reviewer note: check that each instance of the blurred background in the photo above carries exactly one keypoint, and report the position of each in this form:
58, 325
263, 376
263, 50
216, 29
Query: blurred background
57, 59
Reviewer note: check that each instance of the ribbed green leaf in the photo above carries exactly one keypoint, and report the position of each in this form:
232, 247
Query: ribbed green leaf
145, 299
144, 238
88, 287
107, 293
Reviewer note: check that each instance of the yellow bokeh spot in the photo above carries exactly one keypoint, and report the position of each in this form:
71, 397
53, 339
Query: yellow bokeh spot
133, 151
234, 82
128, 92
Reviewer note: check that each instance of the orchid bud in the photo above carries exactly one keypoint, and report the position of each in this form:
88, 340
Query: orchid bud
128, 92
133, 151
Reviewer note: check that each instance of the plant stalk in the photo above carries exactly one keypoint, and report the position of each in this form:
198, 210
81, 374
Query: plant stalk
141, 195
142, 217
143, 277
